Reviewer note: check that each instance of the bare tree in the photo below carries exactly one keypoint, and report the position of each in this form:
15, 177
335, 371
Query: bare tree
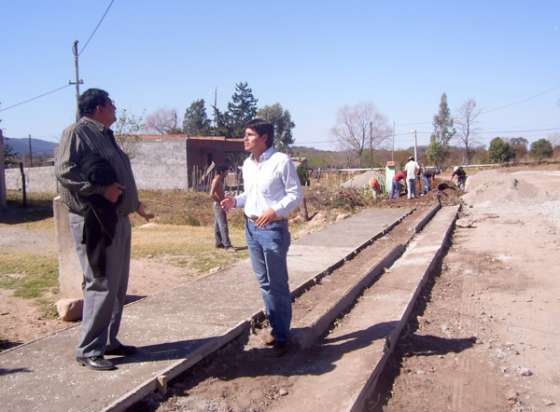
466, 121
359, 128
126, 130
163, 121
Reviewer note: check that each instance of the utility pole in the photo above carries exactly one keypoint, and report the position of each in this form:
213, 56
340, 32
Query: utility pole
77, 81
393, 151
415, 146
30, 152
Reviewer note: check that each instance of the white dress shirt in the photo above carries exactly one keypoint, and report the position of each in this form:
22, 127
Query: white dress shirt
272, 182
411, 169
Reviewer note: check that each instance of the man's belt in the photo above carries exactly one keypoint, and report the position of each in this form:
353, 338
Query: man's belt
254, 218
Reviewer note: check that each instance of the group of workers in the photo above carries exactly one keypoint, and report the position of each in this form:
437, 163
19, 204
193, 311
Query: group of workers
413, 172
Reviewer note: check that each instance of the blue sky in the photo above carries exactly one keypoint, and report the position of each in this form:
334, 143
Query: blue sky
310, 56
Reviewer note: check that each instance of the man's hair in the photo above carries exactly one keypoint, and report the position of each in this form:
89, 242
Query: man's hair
262, 127
90, 99
221, 169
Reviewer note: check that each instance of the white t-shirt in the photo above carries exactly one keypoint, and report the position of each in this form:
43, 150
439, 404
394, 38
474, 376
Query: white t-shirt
411, 168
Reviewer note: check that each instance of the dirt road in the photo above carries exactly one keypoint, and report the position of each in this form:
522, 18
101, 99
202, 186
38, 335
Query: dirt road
500, 286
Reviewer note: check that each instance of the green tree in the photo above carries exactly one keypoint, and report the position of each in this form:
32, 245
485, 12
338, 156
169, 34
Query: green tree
500, 151
196, 121
283, 125
519, 147
436, 152
541, 149
443, 132
241, 109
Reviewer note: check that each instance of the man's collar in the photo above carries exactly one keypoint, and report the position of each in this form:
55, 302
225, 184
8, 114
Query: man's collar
94, 123
266, 154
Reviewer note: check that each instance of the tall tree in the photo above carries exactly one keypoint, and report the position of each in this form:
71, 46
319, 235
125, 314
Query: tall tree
283, 125
359, 128
163, 121
196, 121
438, 149
466, 120
241, 109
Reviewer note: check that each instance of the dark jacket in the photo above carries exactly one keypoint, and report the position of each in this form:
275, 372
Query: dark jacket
100, 217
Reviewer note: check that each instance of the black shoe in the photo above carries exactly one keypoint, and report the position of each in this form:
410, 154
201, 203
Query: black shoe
280, 348
97, 363
220, 246
122, 350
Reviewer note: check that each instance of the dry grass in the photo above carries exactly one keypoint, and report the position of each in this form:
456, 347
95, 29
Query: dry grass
184, 246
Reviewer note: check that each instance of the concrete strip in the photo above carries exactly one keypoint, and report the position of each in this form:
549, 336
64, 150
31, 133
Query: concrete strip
173, 330
317, 321
360, 346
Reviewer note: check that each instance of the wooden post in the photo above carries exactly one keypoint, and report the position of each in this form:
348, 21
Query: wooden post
23, 184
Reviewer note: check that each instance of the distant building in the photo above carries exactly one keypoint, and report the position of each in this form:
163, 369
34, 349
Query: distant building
179, 161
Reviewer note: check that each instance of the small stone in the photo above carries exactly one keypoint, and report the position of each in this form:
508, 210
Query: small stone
511, 395
4, 313
283, 392
69, 310
525, 372
548, 402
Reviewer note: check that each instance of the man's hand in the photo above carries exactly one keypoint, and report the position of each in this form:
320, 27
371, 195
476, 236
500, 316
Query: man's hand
113, 192
142, 212
228, 203
268, 216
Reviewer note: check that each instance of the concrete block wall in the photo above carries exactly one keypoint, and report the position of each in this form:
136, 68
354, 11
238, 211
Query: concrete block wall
160, 164
37, 179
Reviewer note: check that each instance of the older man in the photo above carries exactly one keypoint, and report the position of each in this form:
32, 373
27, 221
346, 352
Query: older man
87, 142
272, 191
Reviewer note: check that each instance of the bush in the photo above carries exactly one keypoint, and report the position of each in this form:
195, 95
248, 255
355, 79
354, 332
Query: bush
541, 149
500, 151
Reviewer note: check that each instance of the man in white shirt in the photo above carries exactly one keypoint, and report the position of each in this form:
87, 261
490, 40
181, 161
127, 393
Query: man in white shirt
411, 168
272, 191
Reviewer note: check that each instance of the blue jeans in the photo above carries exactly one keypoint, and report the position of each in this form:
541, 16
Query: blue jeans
426, 184
268, 248
396, 191
411, 186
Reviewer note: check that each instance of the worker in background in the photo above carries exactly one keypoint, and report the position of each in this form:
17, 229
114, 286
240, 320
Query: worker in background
397, 179
411, 168
461, 177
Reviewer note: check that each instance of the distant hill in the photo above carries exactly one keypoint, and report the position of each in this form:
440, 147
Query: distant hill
38, 146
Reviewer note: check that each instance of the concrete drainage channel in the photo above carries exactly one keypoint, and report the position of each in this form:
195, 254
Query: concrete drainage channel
346, 324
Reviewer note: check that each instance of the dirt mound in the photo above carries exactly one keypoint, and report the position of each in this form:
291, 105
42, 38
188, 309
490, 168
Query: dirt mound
494, 188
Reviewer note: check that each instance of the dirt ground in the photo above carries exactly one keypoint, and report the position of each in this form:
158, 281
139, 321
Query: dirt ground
500, 286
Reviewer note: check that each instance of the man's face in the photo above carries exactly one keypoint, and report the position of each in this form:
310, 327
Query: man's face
107, 114
253, 142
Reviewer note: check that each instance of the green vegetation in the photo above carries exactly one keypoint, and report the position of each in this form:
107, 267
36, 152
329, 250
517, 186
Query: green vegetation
500, 151
541, 149
30, 276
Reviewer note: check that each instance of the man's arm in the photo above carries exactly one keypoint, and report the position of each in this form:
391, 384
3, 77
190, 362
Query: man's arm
214, 189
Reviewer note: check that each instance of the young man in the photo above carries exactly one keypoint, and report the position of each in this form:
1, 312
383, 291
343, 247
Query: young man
411, 168
104, 296
221, 231
461, 177
272, 191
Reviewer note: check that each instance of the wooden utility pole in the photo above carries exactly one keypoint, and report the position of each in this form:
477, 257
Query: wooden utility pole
77, 80
30, 152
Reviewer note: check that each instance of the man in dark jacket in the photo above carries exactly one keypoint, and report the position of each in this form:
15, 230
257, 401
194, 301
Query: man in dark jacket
104, 296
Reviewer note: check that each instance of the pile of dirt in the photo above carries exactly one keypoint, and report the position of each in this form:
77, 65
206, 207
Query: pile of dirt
495, 188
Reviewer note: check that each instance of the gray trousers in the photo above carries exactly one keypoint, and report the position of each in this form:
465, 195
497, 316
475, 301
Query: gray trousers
221, 231
104, 298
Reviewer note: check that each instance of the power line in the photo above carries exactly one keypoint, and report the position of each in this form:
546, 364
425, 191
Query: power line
35, 98
96, 27
526, 99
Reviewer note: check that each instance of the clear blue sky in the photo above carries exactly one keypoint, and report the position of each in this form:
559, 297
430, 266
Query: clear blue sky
310, 56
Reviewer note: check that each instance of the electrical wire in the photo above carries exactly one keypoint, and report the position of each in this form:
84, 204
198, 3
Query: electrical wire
35, 98
96, 27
